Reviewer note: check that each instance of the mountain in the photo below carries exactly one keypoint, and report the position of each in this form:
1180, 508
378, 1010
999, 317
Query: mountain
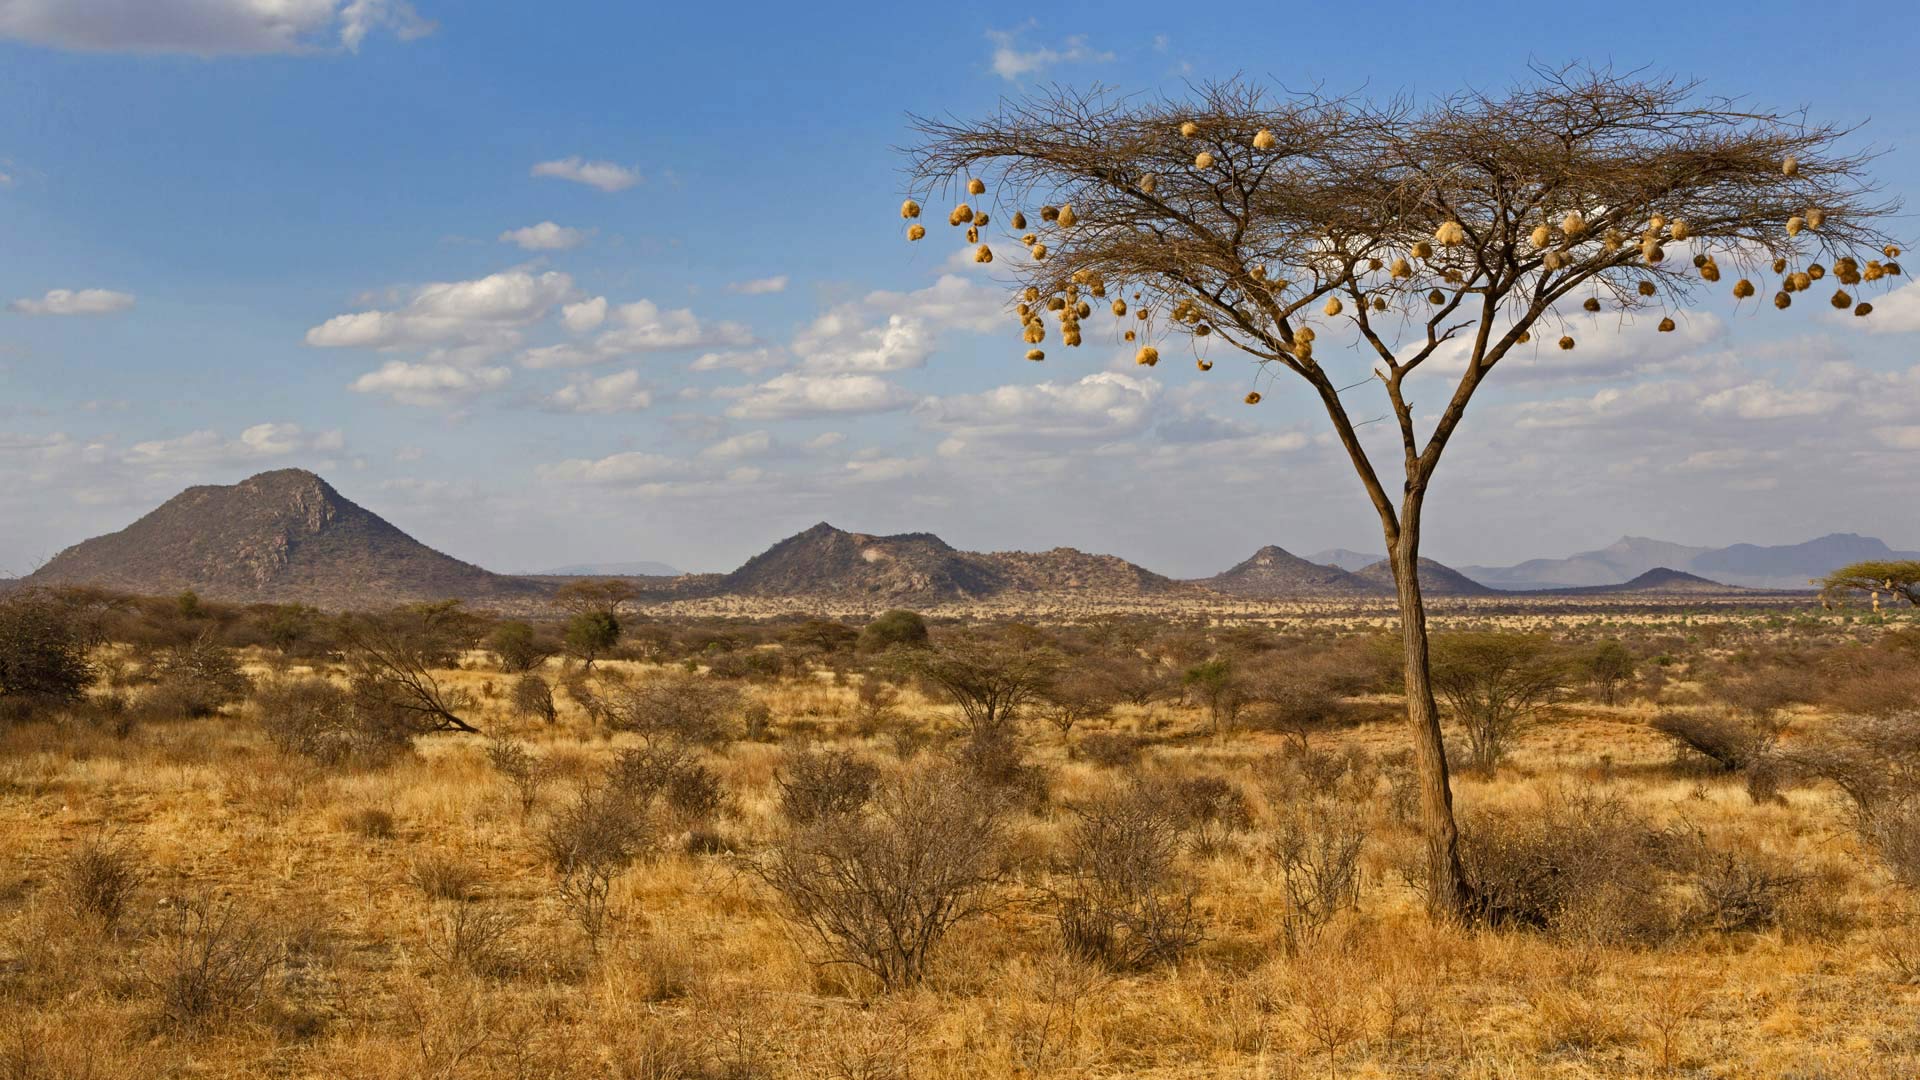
281, 536
1070, 570
1661, 580
1435, 580
613, 569
1788, 566
1275, 572
1345, 558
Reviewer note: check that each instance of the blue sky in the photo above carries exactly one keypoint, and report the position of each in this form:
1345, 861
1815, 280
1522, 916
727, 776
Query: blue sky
567, 282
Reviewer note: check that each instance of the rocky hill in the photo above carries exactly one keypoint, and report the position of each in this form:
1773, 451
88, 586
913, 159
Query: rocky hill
284, 536
1274, 572
1436, 579
1660, 580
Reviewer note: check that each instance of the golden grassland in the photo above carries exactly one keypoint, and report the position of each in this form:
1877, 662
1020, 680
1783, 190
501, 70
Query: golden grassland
700, 977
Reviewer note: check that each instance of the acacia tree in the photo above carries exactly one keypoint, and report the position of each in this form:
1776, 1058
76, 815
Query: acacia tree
1464, 228
1897, 578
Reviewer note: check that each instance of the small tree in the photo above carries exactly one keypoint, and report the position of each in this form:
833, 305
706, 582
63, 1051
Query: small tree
595, 610
1496, 685
1607, 666
1219, 689
898, 628
43, 651
1460, 229
990, 680
517, 647
592, 634
1076, 695
394, 656
1898, 579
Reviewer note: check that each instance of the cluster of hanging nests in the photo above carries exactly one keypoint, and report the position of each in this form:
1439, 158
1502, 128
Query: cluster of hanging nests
1552, 243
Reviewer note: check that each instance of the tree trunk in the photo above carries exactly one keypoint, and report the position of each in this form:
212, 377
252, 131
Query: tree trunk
1448, 894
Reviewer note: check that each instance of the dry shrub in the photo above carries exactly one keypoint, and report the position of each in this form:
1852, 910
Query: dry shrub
816, 784
1732, 741
673, 708
526, 773
98, 881
1580, 866
211, 965
1875, 762
316, 720
1127, 905
590, 843
369, 822
474, 938
1317, 843
440, 876
1732, 891
532, 699
1205, 806
1110, 749
691, 792
878, 891
197, 679
995, 759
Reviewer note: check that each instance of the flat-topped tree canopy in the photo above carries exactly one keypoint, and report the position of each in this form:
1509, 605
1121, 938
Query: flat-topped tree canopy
1263, 218
1478, 212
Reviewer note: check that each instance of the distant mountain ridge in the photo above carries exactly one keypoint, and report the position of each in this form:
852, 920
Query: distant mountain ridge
1784, 566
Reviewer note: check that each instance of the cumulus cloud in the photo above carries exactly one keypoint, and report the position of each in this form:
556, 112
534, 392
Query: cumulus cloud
207, 27
746, 445
1014, 64
545, 236
74, 302
748, 360
620, 392
258, 442
1898, 312
430, 384
638, 327
894, 331
795, 395
604, 175
1103, 405
628, 468
488, 311
759, 286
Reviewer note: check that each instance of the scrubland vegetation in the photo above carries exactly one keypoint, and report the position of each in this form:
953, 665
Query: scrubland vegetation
428, 843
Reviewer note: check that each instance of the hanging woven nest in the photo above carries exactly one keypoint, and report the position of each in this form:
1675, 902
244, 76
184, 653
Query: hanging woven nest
1790, 167
1646, 288
1083, 309
976, 187
1056, 303
1680, 230
1119, 308
1841, 300
1038, 251
1202, 330
1592, 304
1525, 336
973, 234
1203, 160
1188, 129
1036, 354
1742, 289
1816, 217
1049, 213
1566, 342
1614, 240
1401, 269
1070, 338
1655, 224
1147, 184
1305, 333
1067, 218
1779, 266
1890, 251
1379, 303
1541, 236
1147, 356
1143, 314
1436, 297
1333, 305
962, 215
1203, 364
1422, 250
1863, 310
1666, 326
1574, 225
1264, 140
1795, 224
1555, 260
1031, 295
1816, 271
1253, 397
1018, 220
1711, 271
1036, 332
909, 209
979, 221
1651, 251
915, 232
983, 254
1782, 300
1450, 234
1800, 280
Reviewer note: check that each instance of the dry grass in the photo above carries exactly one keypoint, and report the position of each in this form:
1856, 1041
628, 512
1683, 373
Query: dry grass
406, 922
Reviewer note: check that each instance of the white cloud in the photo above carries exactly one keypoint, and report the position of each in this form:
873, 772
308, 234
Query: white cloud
826, 440
430, 384
545, 236
749, 444
74, 302
584, 316
639, 327
207, 27
255, 443
760, 286
620, 392
1898, 312
488, 311
793, 394
748, 360
1013, 63
628, 468
876, 468
1103, 405
894, 331
604, 175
